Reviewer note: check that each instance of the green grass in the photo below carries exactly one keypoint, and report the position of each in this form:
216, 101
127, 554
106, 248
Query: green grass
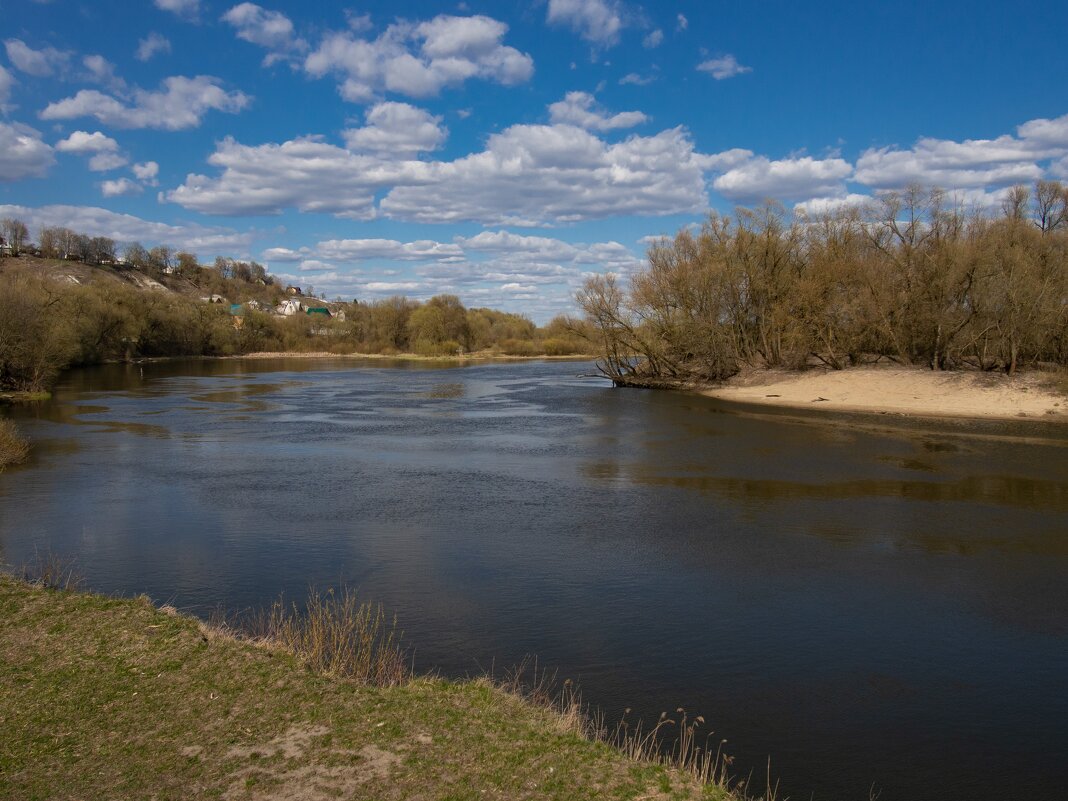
111, 698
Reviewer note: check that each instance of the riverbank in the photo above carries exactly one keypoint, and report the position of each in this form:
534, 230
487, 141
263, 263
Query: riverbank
415, 357
911, 392
105, 697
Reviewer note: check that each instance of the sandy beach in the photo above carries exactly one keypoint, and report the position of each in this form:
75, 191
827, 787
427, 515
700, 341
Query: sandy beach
902, 391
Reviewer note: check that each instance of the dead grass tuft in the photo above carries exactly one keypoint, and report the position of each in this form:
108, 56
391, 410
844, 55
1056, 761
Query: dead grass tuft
337, 634
51, 570
13, 448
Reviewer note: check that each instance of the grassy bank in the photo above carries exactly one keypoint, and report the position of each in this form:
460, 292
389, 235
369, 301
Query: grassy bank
111, 698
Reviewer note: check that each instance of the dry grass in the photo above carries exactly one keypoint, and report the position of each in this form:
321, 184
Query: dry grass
13, 448
337, 634
52, 571
675, 742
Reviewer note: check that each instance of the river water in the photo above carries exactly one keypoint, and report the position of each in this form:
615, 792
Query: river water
868, 608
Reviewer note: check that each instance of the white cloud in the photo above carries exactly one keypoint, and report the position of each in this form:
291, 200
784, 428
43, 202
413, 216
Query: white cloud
146, 172
314, 265
387, 249
283, 254
120, 186
95, 221
971, 163
582, 109
596, 21
40, 63
82, 142
272, 30
152, 44
654, 39
102, 162
800, 178
724, 67
397, 128
566, 174
104, 150
681, 23
7, 80
103, 71
828, 205
187, 9
307, 174
420, 60
22, 153
181, 103
636, 79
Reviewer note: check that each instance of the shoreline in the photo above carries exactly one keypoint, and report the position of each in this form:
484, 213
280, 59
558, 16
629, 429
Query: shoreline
900, 392
194, 710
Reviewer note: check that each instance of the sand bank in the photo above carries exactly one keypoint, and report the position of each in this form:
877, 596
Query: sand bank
902, 391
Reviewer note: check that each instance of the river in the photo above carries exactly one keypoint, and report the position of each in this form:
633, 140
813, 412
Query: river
869, 608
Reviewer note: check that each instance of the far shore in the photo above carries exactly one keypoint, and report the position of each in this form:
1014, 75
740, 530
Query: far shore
900, 391
475, 356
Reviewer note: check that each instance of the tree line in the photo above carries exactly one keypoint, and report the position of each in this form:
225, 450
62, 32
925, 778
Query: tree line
912, 277
48, 325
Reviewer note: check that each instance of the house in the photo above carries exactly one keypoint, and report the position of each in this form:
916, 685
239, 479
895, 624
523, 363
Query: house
237, 310
214, 299
293, 290
319, 310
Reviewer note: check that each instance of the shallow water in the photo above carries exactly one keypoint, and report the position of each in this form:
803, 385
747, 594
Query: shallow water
868, 607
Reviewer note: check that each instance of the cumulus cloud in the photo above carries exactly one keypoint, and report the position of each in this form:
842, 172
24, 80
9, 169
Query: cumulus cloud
85, 142
102, 162
272, 30
582, 109
120, 186
103, 150
7, 80
180, 103
40, 63
566, 174
635, 79
307, 174
187, 9
95, 221
397, 128
723, 67
792, 178
387, 249
596, 21
22, 153
103, 71
419, 60
283, 254
152, 44
681, 23
653, 39
146, 172
971, 163
828, 205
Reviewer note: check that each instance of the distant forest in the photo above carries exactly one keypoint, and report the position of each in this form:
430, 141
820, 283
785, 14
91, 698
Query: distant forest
148, 303
912, 278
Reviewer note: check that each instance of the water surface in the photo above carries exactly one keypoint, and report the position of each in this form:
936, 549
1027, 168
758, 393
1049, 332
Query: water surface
867, 607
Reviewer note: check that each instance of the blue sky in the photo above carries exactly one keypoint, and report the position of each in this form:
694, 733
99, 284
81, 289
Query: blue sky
503, 150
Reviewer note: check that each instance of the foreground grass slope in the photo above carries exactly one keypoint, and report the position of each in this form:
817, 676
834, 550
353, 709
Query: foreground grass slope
111, 698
